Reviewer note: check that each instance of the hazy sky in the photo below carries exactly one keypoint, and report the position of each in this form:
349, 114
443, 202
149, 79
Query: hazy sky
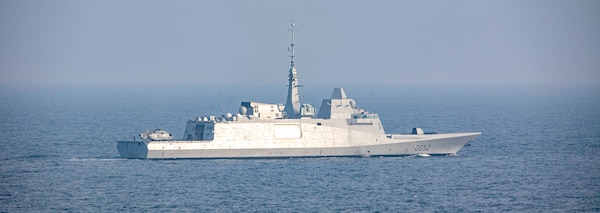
346, 42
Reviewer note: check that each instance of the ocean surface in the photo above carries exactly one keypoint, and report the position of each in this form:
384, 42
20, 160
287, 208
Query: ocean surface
539, 152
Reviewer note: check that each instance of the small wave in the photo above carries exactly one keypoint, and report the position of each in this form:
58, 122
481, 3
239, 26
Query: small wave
4, 196
94, 159
36, 156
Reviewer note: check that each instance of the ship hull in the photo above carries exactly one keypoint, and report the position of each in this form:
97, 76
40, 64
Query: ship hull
394, 145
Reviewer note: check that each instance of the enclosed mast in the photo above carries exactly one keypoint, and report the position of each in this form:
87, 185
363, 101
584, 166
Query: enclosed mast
292, 105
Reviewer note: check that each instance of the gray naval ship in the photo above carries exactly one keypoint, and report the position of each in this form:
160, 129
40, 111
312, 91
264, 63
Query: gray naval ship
262, 130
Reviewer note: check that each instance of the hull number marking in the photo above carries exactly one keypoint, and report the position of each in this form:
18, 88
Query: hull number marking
419, 148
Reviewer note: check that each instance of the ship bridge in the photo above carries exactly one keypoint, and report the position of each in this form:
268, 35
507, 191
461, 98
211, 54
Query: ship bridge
339, 106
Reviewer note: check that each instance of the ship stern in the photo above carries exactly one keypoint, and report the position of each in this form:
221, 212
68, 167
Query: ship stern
133, 149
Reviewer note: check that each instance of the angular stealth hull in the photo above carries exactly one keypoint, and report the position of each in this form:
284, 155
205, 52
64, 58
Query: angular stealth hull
313, 138
189, 149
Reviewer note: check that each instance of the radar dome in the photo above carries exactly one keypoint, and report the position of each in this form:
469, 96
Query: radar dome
243, 110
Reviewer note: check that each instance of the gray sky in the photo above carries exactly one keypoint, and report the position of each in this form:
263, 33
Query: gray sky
110, 43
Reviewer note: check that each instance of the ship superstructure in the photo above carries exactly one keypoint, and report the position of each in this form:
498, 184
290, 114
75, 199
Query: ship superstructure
263, 130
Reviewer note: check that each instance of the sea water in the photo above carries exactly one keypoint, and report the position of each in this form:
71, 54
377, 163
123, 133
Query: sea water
537, 152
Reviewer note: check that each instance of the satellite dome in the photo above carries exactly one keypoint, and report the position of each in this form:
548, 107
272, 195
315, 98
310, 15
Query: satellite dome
243, 110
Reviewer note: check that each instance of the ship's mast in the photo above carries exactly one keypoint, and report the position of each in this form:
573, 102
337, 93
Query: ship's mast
292, 105
291, 49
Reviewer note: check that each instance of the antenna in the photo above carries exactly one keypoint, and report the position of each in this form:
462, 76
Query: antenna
221, 99
291, 48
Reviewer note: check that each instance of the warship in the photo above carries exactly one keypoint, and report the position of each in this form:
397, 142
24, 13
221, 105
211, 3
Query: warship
263, 130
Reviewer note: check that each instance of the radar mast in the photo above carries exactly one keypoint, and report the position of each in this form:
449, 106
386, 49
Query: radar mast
292, 105
291, 49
